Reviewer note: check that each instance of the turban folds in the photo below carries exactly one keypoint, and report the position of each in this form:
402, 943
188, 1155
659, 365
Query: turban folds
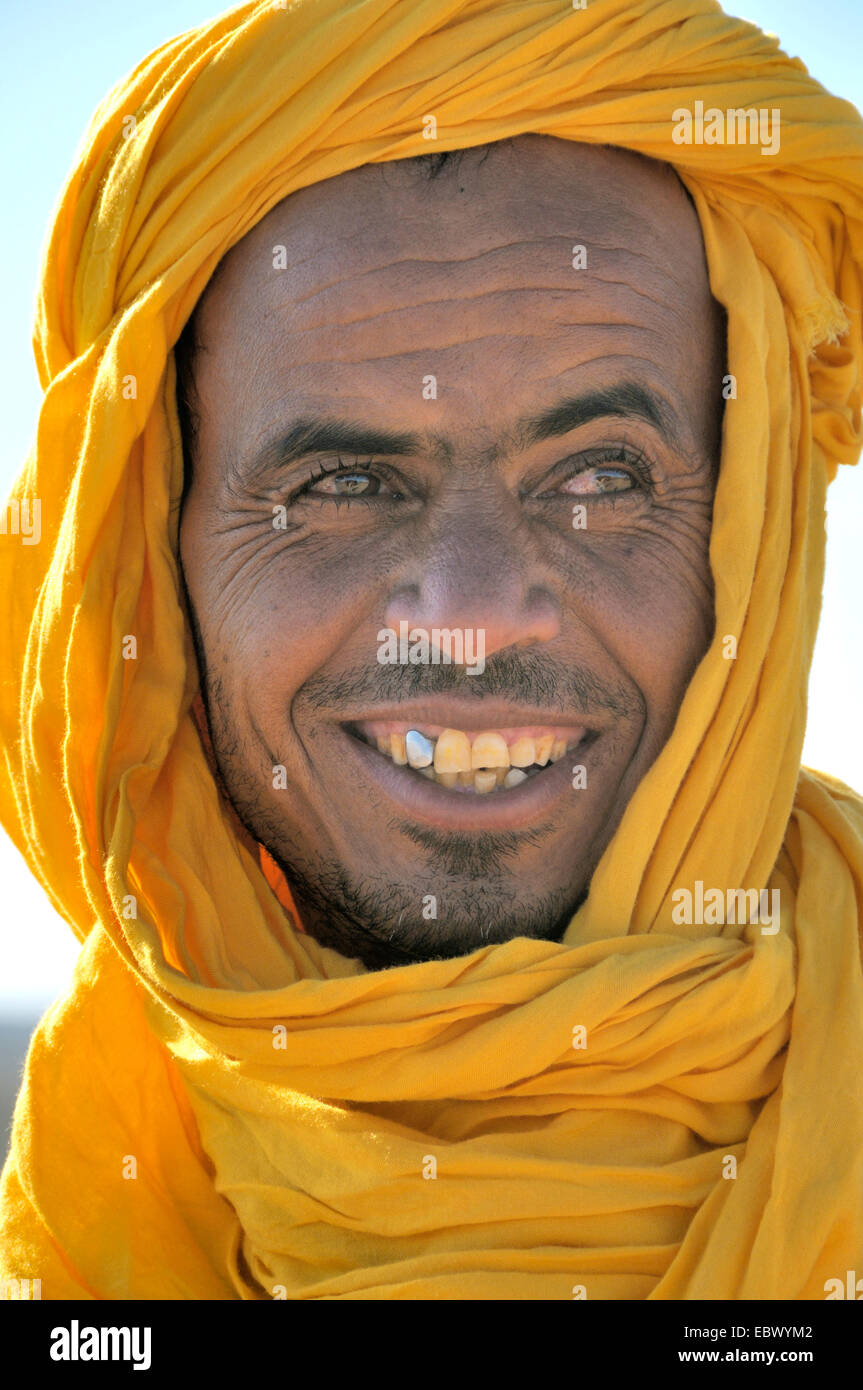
300, 1169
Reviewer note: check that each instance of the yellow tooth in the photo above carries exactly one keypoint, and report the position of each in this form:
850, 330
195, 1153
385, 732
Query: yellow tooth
383, 744
522, 753
397, 749
500, 775
447, 779
489, 750
543, 749
514, 777
466, 779
558, 748
485, 781
452, 752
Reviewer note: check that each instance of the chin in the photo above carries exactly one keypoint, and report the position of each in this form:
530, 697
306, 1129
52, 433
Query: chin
396, 923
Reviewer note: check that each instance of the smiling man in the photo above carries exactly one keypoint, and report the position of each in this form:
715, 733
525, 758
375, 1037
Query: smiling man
398, 822
404, 703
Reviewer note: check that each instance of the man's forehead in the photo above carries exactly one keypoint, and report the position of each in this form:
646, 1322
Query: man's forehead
384, 229
359, 287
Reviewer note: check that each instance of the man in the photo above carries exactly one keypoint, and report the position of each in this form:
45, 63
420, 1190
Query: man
475, 934
607, 397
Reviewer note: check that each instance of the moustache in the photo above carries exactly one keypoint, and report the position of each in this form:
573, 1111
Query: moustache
516, 677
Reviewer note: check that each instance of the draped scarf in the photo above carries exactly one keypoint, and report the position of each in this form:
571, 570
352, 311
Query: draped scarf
221, 1108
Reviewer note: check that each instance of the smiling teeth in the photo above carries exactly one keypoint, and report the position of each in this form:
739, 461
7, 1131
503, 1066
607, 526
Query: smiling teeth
483, 764
452, 752
489, 750
523, 752
419, 749
543, 749
398, 752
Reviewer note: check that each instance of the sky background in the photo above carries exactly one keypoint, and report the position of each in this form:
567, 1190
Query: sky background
61, 57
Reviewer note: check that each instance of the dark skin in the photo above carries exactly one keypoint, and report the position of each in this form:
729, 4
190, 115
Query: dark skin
464, 521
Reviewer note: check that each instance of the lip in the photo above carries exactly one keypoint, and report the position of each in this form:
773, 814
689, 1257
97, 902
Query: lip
471, 716
526, 805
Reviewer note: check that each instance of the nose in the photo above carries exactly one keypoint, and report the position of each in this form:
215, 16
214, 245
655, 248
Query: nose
475, 575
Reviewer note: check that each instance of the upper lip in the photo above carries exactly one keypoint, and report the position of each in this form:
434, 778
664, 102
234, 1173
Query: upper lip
475, 715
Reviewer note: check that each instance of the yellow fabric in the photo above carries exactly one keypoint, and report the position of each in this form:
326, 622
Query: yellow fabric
298, 1171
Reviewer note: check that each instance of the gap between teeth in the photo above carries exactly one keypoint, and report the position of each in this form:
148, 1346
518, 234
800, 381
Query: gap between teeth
483, 764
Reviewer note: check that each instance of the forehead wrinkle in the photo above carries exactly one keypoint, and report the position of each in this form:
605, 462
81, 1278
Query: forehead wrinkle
465, 340
599, 212
546, 298
551, 344
557, 292
464, 337
672, 320
405, 273
408, 264
406, 269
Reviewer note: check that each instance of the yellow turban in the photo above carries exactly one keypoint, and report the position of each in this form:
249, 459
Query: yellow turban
217, 1085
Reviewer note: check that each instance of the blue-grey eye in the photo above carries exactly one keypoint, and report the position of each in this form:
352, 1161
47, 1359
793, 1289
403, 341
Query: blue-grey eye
347, 485
598, 480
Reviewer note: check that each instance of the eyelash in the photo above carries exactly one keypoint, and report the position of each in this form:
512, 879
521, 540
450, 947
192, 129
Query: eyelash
627, 460
324, 470
635, 462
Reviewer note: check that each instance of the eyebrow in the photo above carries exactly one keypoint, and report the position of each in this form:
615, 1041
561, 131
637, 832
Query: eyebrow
315, 435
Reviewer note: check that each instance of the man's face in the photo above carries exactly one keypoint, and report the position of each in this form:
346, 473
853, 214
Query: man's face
426, 409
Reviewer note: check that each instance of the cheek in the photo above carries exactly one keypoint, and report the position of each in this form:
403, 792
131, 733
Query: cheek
673, 634
649, 603
272, 613
229, 572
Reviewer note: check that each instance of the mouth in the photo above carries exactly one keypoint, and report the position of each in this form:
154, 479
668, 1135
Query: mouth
453, 766
467, 762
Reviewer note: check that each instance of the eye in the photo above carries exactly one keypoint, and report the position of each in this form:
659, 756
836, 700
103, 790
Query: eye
347, 485
344, 482
599, 472
597, 480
